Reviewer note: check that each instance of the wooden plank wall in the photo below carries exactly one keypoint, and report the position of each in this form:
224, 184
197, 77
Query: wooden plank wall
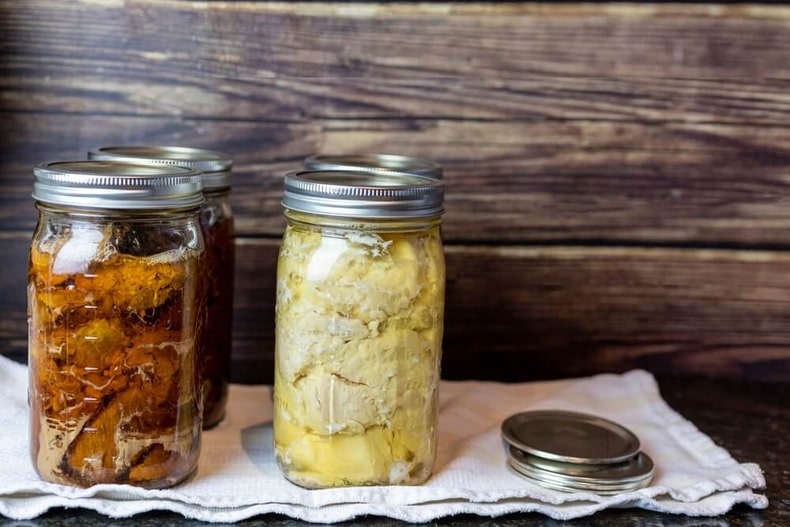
618, 174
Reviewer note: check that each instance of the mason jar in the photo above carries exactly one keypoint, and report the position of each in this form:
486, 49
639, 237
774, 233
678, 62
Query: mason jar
115, 294
217, 222
372, 162
359, 322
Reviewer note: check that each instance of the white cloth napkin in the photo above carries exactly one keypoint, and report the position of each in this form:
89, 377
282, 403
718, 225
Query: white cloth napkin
238, 477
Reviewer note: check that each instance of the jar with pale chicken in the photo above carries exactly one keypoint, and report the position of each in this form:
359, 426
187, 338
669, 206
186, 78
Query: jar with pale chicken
359, 322
115, 304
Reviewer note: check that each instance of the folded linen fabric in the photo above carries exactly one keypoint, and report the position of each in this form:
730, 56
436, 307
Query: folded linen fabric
238, 478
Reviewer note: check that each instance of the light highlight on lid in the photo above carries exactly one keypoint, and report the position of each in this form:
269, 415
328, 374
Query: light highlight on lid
363, 194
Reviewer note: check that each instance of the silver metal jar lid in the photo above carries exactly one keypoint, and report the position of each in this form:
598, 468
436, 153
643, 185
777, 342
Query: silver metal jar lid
628, 471
614, 478
216, 166
575, 452
570, 437
373, 195
113, 185
375, 162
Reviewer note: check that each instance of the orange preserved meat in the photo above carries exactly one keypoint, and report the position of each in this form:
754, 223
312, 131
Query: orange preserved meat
113, 346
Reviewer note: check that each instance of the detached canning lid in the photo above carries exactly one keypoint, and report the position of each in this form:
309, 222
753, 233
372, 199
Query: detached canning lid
376, 162
374, 195
575, 452
570, 437
216, 166
112, 185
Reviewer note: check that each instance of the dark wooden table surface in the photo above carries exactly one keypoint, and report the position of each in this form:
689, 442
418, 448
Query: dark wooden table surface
750, 419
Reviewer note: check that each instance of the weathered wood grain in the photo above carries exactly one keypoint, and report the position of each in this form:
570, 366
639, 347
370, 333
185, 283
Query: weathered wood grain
88, 87
617, 173
254, 40
242, 60
544, 312
507, 181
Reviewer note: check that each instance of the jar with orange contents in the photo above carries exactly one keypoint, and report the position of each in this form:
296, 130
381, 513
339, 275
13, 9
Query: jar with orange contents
115, 296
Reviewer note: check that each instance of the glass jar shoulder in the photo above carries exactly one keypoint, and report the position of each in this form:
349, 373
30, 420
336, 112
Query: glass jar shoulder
325, 250
100, 236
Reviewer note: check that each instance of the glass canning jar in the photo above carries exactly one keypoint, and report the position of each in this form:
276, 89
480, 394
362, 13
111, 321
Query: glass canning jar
359, 322
217, 222
115, 296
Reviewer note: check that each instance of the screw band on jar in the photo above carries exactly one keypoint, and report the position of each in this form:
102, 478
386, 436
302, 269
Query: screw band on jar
371, 195
217, 168
112, 185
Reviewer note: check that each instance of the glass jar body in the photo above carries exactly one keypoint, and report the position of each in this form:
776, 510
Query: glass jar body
115, 307
359, 323
216, 221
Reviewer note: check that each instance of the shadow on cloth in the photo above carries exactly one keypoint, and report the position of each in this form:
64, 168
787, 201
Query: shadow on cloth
258, 443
